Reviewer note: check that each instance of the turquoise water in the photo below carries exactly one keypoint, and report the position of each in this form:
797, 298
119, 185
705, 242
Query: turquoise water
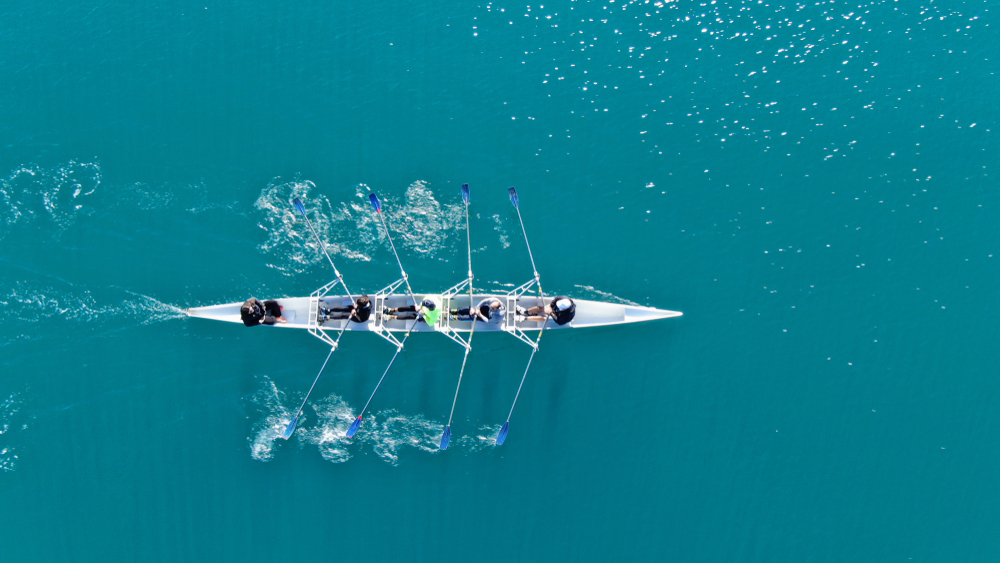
812, 184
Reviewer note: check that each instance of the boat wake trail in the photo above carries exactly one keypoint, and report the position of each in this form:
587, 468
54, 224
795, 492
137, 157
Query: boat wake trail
12, 422
386, 432
420, 222
53, 200
31, 304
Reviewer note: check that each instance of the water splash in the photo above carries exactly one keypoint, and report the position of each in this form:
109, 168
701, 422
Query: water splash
351, 229
390, 431
56, 196
422, 222
330, 434
387, 433
270, 401
289, 238
485, 438
498, 227
12, 422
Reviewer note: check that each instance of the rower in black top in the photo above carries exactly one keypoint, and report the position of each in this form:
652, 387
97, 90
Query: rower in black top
359, 313
562, 309
254, 313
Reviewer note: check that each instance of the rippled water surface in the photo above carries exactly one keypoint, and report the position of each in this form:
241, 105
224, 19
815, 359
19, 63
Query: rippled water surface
812, 184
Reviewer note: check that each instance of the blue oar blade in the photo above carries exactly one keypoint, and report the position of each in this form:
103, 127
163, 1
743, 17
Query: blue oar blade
503, 433
354, 427
465, 193
290, 428
298, 205
446, 438
375, 202
513, 196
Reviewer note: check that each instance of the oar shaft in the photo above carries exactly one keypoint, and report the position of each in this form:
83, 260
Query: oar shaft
398, 261
322, 246
398, 350
528, 367
303, 405
357, 423
446, 438
468, 348
526, 243
468, 240
523, 377
460, 374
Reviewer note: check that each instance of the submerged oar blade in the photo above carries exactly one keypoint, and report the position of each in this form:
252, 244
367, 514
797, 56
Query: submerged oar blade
503, 433
354, 427
298, 205
465, 193
290, 428
375, 202
446, 438
513, 196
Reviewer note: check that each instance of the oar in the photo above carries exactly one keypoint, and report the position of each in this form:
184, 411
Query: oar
378, 209
506, 425
447, 429
295, 419
468, 239
514, 202
298, 205
446, 438
541, 298
357, 422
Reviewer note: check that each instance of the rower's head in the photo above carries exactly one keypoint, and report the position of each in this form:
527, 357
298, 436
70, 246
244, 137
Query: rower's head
429, 304
363, 301
250, 307
495, 305
562, 304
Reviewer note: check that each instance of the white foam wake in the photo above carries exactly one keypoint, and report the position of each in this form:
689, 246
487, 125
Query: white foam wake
12, 422
31, 304
269, 400
387, 433
498, 227
351, 229
57, 195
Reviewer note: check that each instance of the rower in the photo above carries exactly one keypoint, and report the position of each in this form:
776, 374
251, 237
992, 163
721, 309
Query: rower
359, 313
428, 312
562, 309
254, 313
490, 310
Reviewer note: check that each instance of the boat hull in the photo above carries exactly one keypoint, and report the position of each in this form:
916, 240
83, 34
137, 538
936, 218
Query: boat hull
588, 314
